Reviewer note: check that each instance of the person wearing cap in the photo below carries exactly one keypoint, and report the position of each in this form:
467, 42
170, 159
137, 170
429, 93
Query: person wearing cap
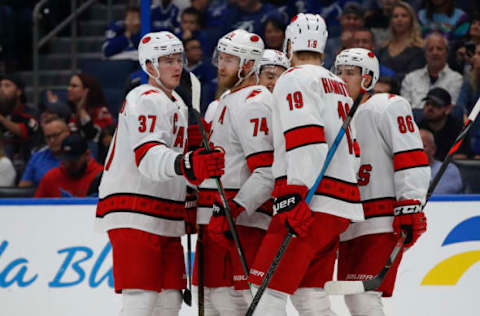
444, 126
351, 19
75, 173
16, 125
435, 74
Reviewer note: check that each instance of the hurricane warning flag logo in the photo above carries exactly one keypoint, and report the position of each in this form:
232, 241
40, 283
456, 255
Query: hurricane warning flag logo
450, 270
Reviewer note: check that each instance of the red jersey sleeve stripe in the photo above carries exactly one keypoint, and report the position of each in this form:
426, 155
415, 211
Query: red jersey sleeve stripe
378, 207
338, 189
260, 159
142, 150
141, 204
303, 136
409, 159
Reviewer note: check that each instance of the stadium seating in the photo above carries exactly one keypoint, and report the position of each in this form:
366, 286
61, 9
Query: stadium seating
17, 192
470, 172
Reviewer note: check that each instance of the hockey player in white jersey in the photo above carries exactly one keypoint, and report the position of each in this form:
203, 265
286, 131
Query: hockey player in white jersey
241, 125
393, 178
272, 64
311, 103
142, 191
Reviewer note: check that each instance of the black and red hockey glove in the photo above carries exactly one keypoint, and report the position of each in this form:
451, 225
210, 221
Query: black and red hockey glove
409, 218
200, 164
289, 205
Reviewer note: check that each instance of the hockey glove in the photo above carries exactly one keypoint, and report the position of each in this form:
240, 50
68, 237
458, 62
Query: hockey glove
194, 136
410, 219
191, 211
200, 164
218, 226
289, 205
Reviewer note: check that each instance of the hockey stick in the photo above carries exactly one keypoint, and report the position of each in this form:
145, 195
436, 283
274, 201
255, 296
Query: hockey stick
223, 197
190, 91
288, 237
355, 287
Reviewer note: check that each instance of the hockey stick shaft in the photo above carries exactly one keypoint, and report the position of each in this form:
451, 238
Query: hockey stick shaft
201, 270
288, 237
352, 287
223, 197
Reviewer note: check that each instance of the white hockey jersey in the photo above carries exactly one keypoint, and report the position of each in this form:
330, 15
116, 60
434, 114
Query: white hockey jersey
139, 187
311, 104
242, 127
393, 167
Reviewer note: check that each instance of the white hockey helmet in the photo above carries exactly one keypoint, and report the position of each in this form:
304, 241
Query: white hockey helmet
363, 58
273, 57
306, 32
245, 45
155, 45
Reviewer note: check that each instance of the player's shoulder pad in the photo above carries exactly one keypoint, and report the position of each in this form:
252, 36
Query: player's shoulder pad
146, 95
258, 94
391, 103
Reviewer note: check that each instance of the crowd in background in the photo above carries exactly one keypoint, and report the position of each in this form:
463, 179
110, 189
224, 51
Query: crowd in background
429, 52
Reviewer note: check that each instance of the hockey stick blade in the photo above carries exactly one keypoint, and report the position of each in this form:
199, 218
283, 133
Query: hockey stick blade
288, 237
344, 287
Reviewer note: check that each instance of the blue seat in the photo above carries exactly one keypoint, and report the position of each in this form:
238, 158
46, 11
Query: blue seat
111, 74
470, 172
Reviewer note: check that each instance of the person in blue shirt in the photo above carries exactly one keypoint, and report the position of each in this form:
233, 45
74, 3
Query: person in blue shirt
196, 63
122, 37
55, 130
165, 17
190, 27
451, 181
250, 16
443, 16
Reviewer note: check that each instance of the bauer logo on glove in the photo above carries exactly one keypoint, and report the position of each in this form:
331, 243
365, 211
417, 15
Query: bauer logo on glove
285, 203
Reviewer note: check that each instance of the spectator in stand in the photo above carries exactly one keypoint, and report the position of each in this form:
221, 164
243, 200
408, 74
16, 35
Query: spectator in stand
88, 106
7, 171
75, 173
451, 181
19, 128
122, 37
444, 127
164, 17
250, 15
105, 139
332, 11
274, 33
469, 94
351, 19
461, 51
55, 130
470, 90
378, 19
190, 27
364, 38
442, 16
386, 85
203, 69
436, 73
403, 51
214, 12
290, 8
